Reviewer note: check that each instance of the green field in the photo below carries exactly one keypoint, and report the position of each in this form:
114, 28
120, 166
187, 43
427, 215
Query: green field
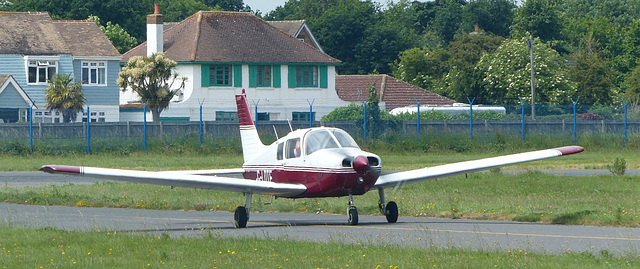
607, 200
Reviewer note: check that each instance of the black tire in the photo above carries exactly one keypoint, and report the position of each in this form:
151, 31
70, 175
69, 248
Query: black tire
240, 218
391, 212
353, 216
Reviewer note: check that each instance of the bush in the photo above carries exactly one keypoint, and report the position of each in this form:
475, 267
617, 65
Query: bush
619, 167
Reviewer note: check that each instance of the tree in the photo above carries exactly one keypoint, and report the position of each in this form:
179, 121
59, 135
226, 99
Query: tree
65, 94
152, 78
422, 67
592, 75
492, 16
508, 77
540, 18
116, 34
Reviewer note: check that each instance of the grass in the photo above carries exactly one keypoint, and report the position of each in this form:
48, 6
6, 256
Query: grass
53, 248
606, 200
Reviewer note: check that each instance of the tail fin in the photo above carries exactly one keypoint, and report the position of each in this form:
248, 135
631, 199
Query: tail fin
251, 144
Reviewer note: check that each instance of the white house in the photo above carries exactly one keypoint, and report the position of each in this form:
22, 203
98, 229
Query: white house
221, 53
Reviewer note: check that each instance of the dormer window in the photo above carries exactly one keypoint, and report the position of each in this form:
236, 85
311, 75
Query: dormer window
39, 71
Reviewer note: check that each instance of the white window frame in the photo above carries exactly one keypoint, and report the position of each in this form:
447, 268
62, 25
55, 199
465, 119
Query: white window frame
88, 67
43, 67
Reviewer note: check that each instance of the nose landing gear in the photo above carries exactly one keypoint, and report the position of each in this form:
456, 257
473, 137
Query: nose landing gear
352, 212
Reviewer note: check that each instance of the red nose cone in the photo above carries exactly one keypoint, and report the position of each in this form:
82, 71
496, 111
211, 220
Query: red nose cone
361, 164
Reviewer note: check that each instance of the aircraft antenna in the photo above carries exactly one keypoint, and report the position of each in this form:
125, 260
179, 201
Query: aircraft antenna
275, 131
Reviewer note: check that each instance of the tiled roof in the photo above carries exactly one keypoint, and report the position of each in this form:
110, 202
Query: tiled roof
394, 93
35, 33
232, 37
30, 33
84, 38
289, 27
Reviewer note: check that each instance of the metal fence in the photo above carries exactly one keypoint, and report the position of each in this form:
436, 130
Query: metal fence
516, 121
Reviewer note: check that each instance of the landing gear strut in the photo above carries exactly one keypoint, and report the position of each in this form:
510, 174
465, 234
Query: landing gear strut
390, 210
241, 216
352, 212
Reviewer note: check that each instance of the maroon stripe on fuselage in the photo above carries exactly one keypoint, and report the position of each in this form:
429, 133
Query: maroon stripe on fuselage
319, 183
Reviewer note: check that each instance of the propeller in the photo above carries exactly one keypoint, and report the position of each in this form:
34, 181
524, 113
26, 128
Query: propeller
360, 164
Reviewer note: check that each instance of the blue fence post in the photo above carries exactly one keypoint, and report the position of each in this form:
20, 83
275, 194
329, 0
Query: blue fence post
522, 101
31, 127
575, 131
144, 130
418, 119
625, 119
88, 130
471, 116
201, 131
311, 112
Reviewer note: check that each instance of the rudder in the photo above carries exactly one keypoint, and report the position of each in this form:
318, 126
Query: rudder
251, 144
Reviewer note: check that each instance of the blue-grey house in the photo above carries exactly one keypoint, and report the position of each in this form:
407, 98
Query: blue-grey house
33, 48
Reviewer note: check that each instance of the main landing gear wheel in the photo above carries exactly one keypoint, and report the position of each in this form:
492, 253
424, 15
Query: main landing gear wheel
241, 217
391, 212
353, 216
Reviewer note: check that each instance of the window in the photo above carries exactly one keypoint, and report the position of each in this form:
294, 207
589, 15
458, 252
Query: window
263, 116
280, 153
220, 75
94, 73
319, 139
303, 116
263, 76
226, 116
39, 71
293, 148
306, 76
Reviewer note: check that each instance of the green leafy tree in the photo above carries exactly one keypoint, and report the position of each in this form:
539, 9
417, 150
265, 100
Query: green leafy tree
421, 66
492, 16
228, 5
507, 74
592, 75
116, 34
464, 79
65, 95
447, 19
152, 78
541, 18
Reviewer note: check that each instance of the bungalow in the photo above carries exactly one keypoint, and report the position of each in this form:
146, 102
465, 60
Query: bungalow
393, 93
221, 53
33, 48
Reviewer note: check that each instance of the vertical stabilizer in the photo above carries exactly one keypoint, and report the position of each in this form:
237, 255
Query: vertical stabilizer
251, 144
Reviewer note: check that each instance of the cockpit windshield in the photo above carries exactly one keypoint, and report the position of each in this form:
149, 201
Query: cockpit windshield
323, 139
319, 139
344, 139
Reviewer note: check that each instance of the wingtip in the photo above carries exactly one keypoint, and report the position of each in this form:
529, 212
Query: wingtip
61, 169
570, 150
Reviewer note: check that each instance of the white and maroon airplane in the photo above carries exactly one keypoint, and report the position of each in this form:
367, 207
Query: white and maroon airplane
315, 162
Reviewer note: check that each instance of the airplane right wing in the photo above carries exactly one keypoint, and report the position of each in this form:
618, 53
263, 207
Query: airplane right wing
435, 172
182, 180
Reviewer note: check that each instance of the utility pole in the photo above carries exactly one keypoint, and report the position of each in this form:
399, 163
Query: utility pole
533, 80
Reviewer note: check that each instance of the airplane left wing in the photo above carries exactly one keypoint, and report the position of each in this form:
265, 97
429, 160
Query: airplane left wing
431, 173
182, 180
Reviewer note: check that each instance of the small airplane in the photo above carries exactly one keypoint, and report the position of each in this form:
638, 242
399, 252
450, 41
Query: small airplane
314, 162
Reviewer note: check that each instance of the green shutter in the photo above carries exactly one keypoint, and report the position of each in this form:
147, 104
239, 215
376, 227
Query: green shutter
276, 76
323, 77
237, 75
292, 76
205, 75
253, 76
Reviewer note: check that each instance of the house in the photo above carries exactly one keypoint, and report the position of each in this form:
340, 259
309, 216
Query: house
393, 93
16, 102
221, 53
297, 29
33, 48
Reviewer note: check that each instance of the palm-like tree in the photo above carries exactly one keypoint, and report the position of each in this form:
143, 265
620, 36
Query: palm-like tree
65, 94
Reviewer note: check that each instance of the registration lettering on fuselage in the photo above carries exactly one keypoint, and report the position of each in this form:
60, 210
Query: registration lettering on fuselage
263, 175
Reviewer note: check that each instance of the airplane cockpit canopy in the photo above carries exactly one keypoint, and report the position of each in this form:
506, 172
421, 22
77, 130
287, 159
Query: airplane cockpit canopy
326, 139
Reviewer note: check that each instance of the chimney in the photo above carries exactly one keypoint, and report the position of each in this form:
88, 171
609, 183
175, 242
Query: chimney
155, 39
